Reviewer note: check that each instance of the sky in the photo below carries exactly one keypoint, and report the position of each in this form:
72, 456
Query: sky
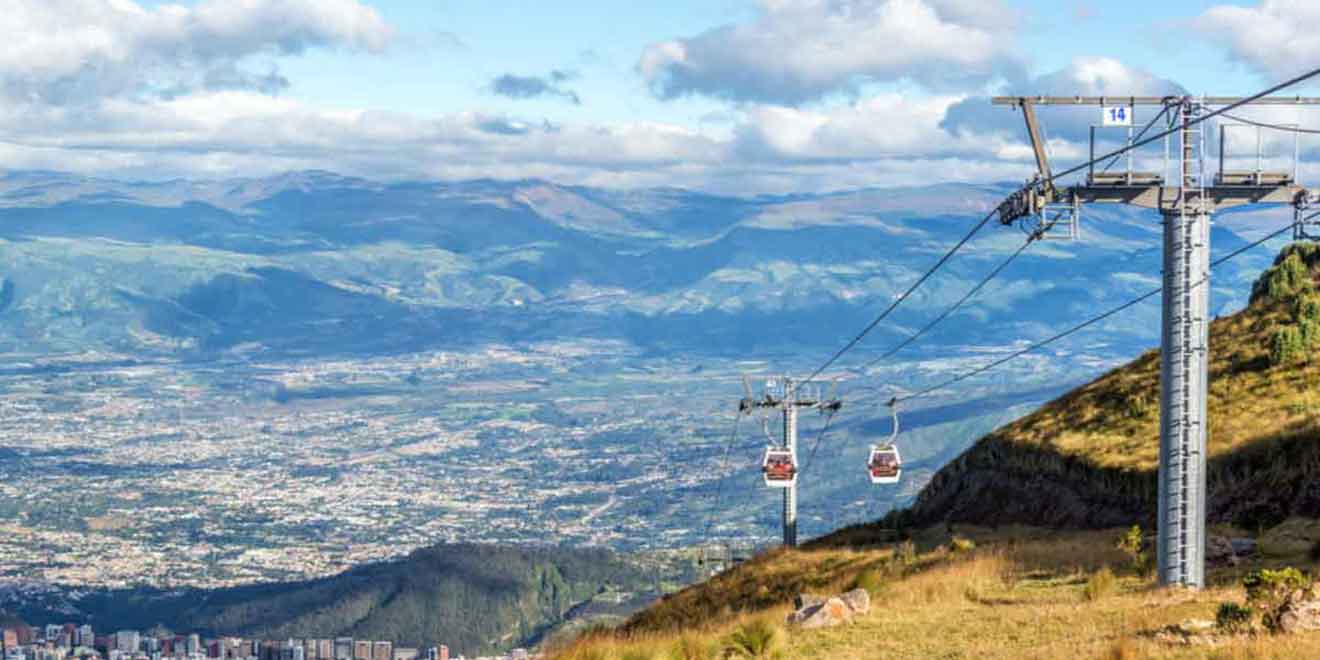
731, 96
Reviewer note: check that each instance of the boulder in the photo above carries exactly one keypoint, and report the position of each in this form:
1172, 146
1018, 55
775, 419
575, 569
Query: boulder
858, 600
1243, 547
821, 612
1219, 550
1300, 615
832, 613
1292, 538
806, 601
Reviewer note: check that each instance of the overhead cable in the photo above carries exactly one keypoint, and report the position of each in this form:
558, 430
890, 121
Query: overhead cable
1083, 325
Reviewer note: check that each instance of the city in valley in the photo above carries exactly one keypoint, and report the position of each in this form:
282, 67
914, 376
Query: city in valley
81, 642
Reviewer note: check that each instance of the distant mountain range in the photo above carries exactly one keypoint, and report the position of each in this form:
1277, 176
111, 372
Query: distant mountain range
312, 262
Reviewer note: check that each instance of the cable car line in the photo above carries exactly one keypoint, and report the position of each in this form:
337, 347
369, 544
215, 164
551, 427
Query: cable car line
723, 477
1277, 127
904, 296
816, 445
954, 307
1085, 324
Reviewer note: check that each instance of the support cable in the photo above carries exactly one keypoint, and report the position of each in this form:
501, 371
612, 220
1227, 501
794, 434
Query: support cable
1085, 324
904, 296
719, 489
1276, 127
955, 306
820, 436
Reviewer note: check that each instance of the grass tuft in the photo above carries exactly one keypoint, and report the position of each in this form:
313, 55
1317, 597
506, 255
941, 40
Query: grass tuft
1101, 584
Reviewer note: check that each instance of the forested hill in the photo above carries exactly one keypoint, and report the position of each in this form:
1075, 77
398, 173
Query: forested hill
477, 599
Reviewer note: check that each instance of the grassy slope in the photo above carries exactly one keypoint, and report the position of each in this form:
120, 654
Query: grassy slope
1086, 461
1089, 458
1019, 594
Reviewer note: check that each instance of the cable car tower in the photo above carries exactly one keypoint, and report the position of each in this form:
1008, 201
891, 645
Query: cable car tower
781, 466
1186, 204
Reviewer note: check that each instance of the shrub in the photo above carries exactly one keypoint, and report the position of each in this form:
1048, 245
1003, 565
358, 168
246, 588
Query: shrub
1132, 544
1270, 592
1100, 584
1309, 329
759, 639
1307, 308
1233, 618
872, 580
1123, 649
691, 647
906, 553
1287, 346
1288, 276
1137, 405
959, 544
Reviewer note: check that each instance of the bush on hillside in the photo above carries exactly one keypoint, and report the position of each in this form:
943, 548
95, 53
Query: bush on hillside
1309, 330
1234, 619
1100, 584
906, 553
1307, 308
871, 580
692, 647
1270, 592
959, 544
759, 639
1133, 544
1287, 346
1290, 275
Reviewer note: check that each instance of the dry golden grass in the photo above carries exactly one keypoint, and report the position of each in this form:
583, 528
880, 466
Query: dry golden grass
1018, 595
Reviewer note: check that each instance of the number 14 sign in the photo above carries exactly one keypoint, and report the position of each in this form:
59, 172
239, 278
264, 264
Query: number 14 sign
1118, 115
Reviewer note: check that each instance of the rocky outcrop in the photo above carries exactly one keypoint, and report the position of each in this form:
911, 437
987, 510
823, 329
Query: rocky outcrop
823, 612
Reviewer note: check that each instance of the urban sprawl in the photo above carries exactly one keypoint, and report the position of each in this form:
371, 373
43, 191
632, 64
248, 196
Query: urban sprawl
71, 641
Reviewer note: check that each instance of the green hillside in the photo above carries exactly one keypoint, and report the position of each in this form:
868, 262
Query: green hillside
477, 599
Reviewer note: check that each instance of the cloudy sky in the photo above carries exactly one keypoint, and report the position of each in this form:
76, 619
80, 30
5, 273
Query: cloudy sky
735, 96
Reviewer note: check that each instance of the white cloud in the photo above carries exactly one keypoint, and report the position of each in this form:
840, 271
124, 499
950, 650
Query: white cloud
1277, 38
801, 50
79, 51
1084, 76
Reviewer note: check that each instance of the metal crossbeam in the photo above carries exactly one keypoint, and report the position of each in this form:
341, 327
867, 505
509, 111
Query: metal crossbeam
1148, 100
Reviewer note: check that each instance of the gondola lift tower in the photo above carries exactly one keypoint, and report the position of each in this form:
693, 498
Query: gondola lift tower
1186, 204
788, 397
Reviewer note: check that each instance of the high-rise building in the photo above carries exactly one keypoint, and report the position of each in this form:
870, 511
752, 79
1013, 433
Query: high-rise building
8, 638
444, 652
128, 641
194, 644
86, 636
344, 648
382, 651
52, 632
361, 650
325, 649
403, 653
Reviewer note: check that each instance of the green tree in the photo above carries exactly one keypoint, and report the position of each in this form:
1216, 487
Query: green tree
1287, 346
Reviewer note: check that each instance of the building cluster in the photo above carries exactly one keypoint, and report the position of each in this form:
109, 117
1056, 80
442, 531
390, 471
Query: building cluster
75, 642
